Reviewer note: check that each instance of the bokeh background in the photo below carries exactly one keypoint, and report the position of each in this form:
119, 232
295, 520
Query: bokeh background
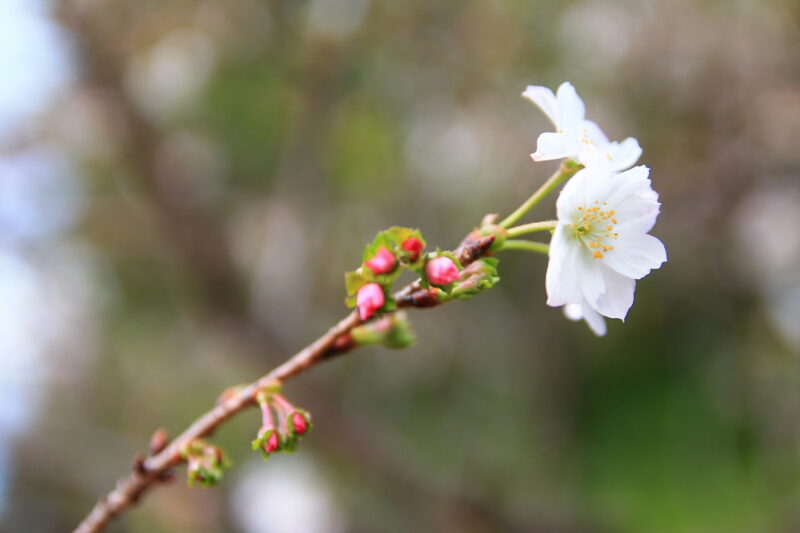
182, 184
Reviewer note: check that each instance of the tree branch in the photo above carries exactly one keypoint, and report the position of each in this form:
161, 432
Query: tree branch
156, 468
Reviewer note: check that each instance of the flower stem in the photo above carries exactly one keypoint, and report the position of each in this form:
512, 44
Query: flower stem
533, 227
530, 246
282, 403
267, 419
567, 169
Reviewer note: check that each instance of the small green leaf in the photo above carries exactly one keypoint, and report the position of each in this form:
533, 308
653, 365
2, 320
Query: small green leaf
476, 278
354, 281
401, 335
392, 331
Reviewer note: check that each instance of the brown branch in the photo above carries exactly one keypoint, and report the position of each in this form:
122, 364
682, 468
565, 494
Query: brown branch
156, 468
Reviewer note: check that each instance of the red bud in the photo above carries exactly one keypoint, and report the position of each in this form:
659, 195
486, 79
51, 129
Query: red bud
272, 443
299, 423
413, 245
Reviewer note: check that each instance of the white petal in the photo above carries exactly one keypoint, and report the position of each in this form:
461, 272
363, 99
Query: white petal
581, 190
595, 134
544, 100
592, 283
635, 203
570, 107
562, 277
618, 296
555, 146
573, 311
583, 311
637, 215
572, 196
601, 184
635, 255
594, 320
591, 156
637, 212
636, 173
631, 183
625, 154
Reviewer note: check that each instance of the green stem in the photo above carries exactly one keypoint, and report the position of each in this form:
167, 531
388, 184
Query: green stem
530, 246
533, 227
567, 169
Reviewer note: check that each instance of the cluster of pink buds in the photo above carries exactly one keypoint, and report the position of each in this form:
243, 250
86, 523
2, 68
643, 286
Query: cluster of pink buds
282, 424
205, 463
392, 250
369, 287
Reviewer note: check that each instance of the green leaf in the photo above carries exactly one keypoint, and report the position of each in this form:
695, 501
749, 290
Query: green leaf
392, 331
401, 335
476, 278
354, 281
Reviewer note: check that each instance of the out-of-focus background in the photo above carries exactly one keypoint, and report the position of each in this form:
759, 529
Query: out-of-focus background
182, 184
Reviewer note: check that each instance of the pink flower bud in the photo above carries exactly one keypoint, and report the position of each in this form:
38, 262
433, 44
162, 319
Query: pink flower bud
383, 262
272, 443
369, 299
413, 245
441, 271
299, 423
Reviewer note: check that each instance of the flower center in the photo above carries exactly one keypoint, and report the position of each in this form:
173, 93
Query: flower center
585, 139
594, 226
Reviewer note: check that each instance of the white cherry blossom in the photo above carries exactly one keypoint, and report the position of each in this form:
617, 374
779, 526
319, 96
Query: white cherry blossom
575, 136
601, 244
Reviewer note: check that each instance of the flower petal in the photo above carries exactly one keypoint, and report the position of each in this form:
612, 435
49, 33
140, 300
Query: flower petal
595, 134
595, 321
571, 110
562, 277
572, 195
573, 311
555, 146
583, 311
638, 215
544, 100
625, 154
618, 296
601, 183
636, 254
593, 157
590, 278
612, 156
634, 201
636, 173
633, 185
